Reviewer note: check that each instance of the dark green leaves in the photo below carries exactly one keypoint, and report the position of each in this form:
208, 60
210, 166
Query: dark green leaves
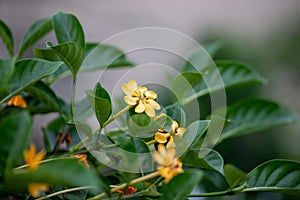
277, 176
181, 185
101, 103
15, 133
27, 72
222, 74
67, 28
7, 38
37, 30
71, 53
252, 115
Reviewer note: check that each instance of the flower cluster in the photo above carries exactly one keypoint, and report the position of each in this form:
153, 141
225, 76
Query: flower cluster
17, 101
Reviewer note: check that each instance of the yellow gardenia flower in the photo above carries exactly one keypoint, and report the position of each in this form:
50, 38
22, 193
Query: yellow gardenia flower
163, 136
35, 189
17, 101
168, 164
141, 97
31, 158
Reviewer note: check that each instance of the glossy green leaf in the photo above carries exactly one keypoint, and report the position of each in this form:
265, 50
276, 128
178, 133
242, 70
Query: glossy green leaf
204, 158
52, 172
27, 72
104, 56
71, 53
252, 115
15, 129
46, 54
35, 32
202, 56
7, 38
181, 185
233, 175
101, 103
226, 74
176, 113
276, 176
44, 93
6, 71
192, 134
67, 28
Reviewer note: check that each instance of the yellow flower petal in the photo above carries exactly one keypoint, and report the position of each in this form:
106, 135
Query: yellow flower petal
180, 131
161, 137
174, 126
153, 103
171, 143
129, 88
31, 158
131, 100
150, 95
150, 110
140, 107
35, 188
17, 101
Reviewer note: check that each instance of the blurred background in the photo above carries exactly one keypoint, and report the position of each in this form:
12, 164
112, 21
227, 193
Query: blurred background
265, 34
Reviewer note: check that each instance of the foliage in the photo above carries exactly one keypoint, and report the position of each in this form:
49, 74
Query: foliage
180, 152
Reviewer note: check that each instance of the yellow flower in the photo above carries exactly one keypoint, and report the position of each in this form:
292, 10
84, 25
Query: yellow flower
168, 164
81, 158
31, 158
162, 136
141, 97
35, 188
17, 101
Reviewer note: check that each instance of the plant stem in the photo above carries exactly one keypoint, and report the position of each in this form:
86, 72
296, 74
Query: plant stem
122, 186
151, 142
117, 115
75, 148
64, 191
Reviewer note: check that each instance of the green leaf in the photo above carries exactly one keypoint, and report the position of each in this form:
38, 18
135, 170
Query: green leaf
252, 115
176, 113
67, 28
101, 103
181, 185
7, 38
15, 129
204, 158
44, 93
104, 56
192, 134
27, 72
46, 54
36, 31
52, 172
276, 176
201, 56
6, 71
233, 175
227, 74
71, 53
